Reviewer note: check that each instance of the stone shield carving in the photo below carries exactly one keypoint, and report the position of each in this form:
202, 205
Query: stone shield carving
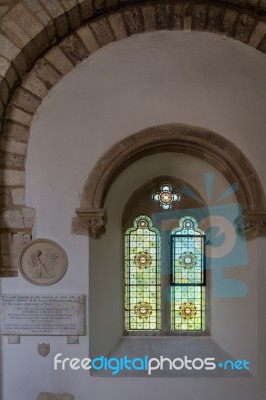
43, 349
42, 262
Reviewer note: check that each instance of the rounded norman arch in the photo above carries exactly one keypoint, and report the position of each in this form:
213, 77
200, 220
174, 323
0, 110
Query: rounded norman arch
41, 41
199, 142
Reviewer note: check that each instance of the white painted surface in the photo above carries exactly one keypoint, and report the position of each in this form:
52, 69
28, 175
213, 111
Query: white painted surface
194, 78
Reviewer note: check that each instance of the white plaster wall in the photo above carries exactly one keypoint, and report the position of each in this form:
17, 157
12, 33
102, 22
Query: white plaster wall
195, 78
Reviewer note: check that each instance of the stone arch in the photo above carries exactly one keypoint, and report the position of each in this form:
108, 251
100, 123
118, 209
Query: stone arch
29, 28
19, 109
41, 41
202, 143
49, 24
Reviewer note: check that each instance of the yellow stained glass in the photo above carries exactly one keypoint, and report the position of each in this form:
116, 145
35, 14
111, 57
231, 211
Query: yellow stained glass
142, 277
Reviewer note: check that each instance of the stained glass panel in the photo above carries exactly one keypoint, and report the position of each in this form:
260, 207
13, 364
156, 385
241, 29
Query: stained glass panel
188, 277
166, 196
187, 259
188, 308
142, 277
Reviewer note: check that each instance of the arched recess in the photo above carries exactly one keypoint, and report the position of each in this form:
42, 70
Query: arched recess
199, 142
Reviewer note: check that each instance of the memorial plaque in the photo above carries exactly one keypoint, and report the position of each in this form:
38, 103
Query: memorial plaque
42, 262
42, 315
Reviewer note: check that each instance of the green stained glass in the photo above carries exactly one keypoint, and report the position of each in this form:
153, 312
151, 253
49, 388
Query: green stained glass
188, 308
188, 277
142, 277
143, 282
187, 259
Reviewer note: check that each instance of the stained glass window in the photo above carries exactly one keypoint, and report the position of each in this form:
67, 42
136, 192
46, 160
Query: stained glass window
188, 277
144, 285
142, 277
166, 196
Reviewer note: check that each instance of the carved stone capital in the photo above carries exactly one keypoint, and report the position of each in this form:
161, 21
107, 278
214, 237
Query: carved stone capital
251, 224
90, 222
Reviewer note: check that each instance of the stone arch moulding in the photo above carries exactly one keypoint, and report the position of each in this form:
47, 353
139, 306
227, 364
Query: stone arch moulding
41, 41
204, 144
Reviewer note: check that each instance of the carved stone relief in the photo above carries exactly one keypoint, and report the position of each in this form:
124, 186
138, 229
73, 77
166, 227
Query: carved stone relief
43, 262
252, 225
90, 222
43, 349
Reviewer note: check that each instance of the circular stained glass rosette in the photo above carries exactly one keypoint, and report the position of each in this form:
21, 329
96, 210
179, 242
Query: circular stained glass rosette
143, 259
143, 310
166, 196
188, 224
188, 260
143, 224
188, 311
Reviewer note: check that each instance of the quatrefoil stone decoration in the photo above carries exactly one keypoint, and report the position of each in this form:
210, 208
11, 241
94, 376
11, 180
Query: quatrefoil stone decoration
166, 196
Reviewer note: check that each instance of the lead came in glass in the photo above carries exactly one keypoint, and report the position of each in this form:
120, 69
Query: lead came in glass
188, 277
142, 277
166, 196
